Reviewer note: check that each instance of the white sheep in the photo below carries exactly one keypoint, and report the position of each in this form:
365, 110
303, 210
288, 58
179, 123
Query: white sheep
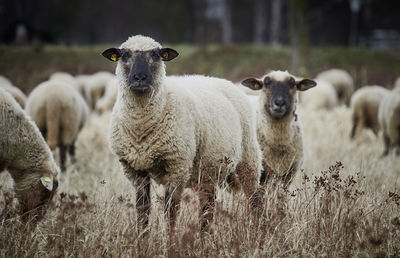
18, 95
364, 105
323, 97
396, 86
341, 81
25, 155
95, 87
67, 78
60, 112
279, 128
171, 129
106, 103
389, 120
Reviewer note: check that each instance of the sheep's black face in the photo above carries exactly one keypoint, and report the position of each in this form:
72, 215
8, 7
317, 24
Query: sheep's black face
280, 97
140, 68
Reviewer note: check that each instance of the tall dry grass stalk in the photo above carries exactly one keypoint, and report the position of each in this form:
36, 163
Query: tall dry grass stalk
344, 203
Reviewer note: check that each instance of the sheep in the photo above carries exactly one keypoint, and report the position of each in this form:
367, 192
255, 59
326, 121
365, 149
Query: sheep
18, 95
107, 101
364, 105
279, 129
389, 120
60, 113
67, 78
96, 86
341, 81
323, 97
168, 128
396, 86
25, 155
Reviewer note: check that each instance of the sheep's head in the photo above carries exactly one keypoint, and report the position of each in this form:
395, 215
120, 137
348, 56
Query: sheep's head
140, 63
279, 92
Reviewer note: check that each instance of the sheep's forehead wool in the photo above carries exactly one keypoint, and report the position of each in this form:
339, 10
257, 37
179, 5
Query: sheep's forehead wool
140, 43
279, 75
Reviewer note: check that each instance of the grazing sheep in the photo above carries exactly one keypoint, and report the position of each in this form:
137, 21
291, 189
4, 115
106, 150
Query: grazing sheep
323, 97
95, 88
60, 112
106, 103
168, 128
279, 129
389, 120
341, 80
25, 155
18, 95
67, 78
396, 86
365, 104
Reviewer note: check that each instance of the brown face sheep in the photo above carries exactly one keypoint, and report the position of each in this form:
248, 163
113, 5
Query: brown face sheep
60, 113
364, 105
279, 128
25, 155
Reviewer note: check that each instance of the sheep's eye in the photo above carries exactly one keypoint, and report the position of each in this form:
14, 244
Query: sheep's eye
292, 82
125, 57
155, 56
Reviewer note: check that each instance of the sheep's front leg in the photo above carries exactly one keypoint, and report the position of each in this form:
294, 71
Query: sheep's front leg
175, 181
141, 181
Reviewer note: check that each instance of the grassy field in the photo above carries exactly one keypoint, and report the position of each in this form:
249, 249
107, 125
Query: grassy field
345, 201
27, 66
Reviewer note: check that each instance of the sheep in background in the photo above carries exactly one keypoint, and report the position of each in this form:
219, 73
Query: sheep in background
95, 87
323, 97
341, 80
279, 128
67, 78
389, 121
396, 86
106, 103
167, 128
60, 113
18, 95
25, 155
364, 105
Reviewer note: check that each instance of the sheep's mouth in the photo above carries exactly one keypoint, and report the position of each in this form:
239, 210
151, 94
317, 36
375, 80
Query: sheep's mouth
140, 89
277, 112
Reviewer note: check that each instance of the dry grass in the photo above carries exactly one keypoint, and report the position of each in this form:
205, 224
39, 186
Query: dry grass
345, 203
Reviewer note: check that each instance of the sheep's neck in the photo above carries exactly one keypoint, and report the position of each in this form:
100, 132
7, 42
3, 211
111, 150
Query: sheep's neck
280, 129
146, 117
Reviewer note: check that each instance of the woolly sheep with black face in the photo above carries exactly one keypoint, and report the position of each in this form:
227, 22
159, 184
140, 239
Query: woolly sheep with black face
279, 129
164, 128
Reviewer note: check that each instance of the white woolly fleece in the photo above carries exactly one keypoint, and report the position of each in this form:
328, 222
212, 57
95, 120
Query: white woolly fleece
140, 43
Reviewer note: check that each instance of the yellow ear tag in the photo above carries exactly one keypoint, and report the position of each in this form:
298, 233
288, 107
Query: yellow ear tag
256, 86
165, 55
47, 179
302, 87
114, 57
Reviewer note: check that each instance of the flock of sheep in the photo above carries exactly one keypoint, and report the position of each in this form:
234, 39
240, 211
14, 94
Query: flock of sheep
167, 128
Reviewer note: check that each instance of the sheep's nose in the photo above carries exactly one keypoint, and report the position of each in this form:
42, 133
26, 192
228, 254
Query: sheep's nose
140, 77
279, 102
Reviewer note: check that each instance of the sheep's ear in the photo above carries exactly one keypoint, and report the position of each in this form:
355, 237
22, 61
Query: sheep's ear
167, 54
253, 84
112, 54
305, 84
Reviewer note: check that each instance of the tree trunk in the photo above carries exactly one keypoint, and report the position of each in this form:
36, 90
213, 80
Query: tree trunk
259, 21
276, 10
226, 24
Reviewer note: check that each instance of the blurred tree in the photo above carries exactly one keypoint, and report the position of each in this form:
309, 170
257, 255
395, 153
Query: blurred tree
260, 20
299, 35
275, 24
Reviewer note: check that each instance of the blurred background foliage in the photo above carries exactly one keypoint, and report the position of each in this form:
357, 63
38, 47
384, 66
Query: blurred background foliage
226, 38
